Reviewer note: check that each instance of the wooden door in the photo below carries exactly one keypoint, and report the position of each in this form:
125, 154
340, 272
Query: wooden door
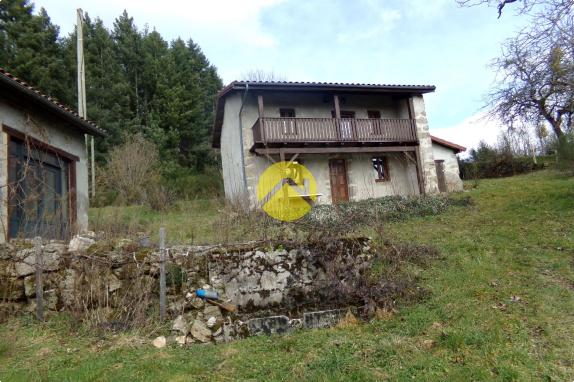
38, 199
338, 176
439, 164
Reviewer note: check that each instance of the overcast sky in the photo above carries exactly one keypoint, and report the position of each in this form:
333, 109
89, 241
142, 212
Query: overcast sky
386, 41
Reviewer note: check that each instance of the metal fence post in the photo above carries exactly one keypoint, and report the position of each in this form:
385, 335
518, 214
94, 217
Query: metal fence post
39, 286
162, 273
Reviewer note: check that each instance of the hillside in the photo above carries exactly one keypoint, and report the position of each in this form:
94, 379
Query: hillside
500, 307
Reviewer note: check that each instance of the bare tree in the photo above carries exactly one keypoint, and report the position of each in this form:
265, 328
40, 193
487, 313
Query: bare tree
536, 67
131, 169
537, 70
522, 6
261, 75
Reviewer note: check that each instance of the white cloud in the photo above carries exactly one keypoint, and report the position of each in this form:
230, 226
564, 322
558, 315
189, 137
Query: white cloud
230, 20
386, 22
471, 131
426, 9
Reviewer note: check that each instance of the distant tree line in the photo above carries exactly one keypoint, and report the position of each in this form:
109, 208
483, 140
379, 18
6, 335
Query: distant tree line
136, 81
495, 161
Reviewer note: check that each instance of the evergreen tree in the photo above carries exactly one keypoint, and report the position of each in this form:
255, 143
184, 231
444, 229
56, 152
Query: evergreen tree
127, 44
31, 48
135, 81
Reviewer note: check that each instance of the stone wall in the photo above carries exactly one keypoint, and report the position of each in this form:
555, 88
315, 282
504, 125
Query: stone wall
451, 168
116, 284
425, 145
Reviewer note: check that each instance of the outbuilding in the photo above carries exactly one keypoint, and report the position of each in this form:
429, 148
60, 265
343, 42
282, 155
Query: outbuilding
43, 164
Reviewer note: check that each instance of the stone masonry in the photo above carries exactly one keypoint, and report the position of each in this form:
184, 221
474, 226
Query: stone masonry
274, 289
425, 146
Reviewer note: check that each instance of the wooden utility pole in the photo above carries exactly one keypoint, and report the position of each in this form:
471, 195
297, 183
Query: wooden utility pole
82, 110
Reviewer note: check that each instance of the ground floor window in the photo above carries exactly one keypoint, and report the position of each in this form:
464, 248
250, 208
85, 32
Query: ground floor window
40, 199
381, 168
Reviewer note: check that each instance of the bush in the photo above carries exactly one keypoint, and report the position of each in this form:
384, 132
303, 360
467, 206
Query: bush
134, 175
489, 162
130, 170
332, 220
187, 185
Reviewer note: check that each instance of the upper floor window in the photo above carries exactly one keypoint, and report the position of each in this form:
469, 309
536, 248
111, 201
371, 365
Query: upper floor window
289, 127
344, 114
376, 128
374, 114
381, 168
287, 113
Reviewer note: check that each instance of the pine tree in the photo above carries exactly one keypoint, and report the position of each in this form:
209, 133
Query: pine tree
31, 48
127, 44
135, 81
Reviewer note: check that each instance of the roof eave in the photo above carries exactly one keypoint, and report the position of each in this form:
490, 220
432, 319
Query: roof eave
450, 145
242, 85
238, 85
42, 101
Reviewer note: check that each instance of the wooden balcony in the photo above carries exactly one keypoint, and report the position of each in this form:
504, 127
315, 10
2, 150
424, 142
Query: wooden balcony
333, 131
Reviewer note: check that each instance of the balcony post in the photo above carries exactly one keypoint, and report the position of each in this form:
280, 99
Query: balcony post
337, 106
337, 116
261, 116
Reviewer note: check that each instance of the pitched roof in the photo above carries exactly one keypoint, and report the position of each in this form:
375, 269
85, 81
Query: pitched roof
456, 148
305, 86
37, 98
322, 86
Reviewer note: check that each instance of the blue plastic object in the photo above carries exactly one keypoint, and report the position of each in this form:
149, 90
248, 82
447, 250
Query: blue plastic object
211, 294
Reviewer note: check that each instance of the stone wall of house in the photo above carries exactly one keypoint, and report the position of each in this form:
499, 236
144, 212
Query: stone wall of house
274, 289
425, 145
451, 168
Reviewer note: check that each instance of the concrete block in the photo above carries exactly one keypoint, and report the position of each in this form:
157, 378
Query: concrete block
268, 325
323, 318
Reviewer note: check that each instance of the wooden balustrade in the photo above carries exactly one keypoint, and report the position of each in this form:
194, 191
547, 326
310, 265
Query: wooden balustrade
333, 130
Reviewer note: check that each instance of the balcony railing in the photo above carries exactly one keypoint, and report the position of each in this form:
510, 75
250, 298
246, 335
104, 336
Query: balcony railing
333, 130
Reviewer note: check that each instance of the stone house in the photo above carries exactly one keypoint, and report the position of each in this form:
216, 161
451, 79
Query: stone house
43, 164
359, 141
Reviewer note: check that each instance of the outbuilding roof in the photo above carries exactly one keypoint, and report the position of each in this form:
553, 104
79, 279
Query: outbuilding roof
443, 142
307, 87
36, 98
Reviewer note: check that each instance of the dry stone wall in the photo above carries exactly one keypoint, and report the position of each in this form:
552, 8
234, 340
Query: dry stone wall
116, 284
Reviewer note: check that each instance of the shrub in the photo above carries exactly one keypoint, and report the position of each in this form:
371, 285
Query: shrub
332, 220
130, 170
489, 162
187, 185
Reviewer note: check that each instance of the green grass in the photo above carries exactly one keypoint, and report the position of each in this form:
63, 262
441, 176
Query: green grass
516, 240
190, 222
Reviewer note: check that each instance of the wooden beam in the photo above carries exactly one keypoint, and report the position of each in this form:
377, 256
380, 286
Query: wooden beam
337, 106
411, 108
332, 150
267, 155
261, 116
261, 106
420, 177
38, 144
293, 158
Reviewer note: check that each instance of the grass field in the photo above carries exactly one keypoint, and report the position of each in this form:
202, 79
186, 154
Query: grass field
501, 308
